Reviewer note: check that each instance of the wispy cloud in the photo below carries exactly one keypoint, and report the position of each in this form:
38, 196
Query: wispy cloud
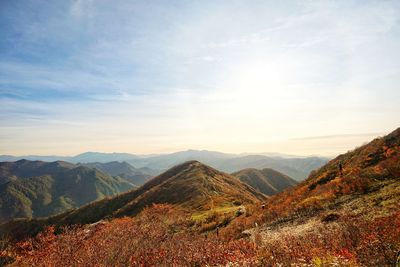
216, 75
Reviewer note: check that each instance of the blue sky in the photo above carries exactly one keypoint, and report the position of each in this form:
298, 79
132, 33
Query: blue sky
298, 77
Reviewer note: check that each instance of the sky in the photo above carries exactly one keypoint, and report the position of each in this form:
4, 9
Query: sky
295, 77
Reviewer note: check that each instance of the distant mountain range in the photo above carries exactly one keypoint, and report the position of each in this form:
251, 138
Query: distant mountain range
267, 181
36, 188
295, 167
81, 158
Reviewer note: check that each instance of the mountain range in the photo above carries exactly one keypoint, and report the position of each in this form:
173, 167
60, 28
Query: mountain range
295, 167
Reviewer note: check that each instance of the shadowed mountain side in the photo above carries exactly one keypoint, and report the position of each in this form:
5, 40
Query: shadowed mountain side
28, 169
38, 189
267, 181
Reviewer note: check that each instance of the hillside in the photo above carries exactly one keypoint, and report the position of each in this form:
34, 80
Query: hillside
267, 181
364, 169
37, 189
122, 169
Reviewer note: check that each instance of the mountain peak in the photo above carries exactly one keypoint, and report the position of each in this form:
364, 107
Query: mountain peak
191, 164
193, 185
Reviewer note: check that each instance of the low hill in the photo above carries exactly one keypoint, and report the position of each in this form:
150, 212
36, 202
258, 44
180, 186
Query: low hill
192, 186
37, 189
267, 181
122, 169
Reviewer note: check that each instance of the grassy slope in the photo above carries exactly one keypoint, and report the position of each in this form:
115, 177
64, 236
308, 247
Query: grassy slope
363, 167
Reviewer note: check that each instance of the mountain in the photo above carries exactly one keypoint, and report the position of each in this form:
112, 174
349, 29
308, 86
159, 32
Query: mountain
11, 171
267, 181
124, 170
192, 186
37, 189
298, 168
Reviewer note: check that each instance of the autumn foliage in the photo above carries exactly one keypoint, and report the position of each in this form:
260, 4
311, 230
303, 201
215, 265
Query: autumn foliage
159, 236
165, 236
